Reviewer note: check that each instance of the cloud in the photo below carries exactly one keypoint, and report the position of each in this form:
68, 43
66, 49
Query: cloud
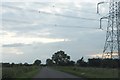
2, 11
15, 45
27, 0
12, 38
99, 55
7, 33
12, 50
30, 40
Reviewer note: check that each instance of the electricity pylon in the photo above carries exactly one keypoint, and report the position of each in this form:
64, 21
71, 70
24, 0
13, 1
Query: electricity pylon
112, 43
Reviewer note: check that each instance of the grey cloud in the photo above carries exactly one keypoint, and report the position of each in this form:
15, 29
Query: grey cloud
15, 45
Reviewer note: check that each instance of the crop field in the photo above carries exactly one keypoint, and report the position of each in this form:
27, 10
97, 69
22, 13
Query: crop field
89, 72
19, 72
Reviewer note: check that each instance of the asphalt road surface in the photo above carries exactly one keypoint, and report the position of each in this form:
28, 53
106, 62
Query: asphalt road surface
46, 72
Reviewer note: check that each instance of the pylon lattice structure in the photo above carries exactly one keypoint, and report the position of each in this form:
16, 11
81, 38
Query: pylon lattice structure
112, 44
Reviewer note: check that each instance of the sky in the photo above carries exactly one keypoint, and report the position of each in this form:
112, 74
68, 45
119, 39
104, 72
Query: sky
37, 29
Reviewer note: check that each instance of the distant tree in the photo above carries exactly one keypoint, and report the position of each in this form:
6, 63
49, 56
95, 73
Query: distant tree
6, 65
26, 64
95, 62
49, 62
106, 63
12, 64
37, 62
60, 58
20, 64
81, 62
110, 63
71, 63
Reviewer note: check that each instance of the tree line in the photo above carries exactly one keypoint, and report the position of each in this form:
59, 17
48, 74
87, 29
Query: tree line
60, 58
36, 63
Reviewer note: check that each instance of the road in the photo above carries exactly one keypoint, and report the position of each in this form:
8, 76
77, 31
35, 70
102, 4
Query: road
46, 72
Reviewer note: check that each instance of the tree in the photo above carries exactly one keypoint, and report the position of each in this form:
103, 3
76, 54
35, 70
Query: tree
26, 64
60, 58
71, 63
81, 62
95, 62
49, 62
12, 64
106, 63
20, 64
37, 62
6, 64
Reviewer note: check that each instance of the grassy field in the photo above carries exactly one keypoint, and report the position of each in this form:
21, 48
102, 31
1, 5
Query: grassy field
0, 72
90, 72
19, 72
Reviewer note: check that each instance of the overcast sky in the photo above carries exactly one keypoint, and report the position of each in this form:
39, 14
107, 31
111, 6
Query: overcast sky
36, 30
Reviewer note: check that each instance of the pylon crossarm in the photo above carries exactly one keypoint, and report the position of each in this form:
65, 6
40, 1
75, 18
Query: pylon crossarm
98, 6
101, 21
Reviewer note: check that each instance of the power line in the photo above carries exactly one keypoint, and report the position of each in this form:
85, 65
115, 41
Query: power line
56, 14
78, 11
69, 16
71, 9
69, 26
48, 24
11, 20
54, 5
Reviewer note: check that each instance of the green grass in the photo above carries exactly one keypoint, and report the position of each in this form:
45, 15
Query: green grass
0, 72
30, 74
89, 72
19, 72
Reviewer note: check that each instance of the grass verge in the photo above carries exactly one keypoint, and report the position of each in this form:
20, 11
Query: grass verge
20, 72
0, 71
89, 72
